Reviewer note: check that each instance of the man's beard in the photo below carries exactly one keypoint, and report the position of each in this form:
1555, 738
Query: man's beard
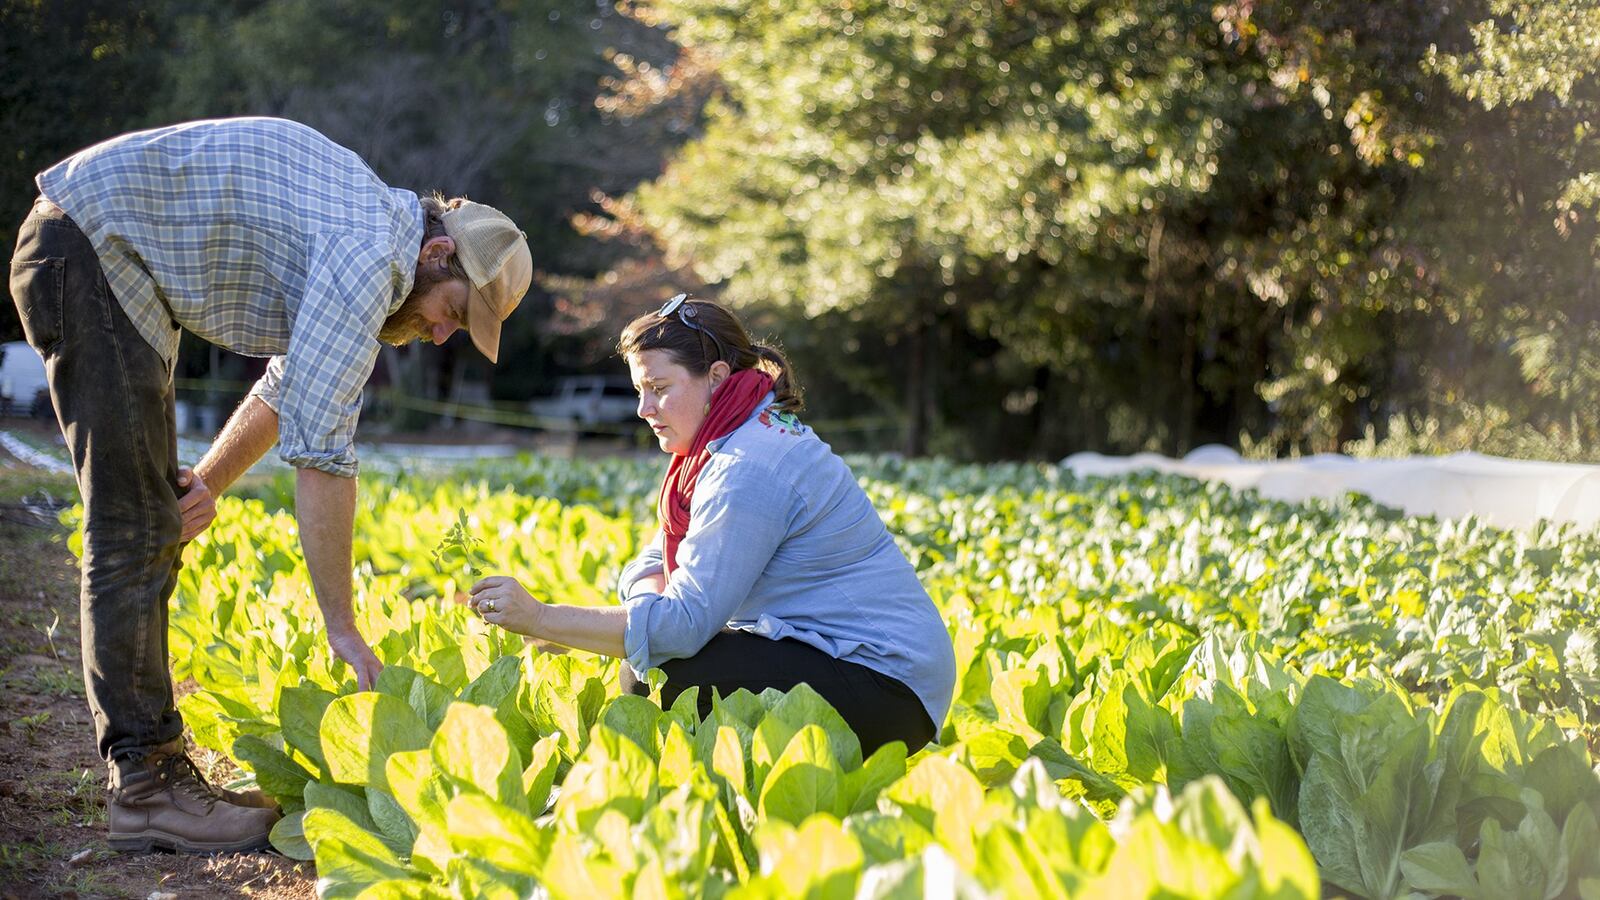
406, 324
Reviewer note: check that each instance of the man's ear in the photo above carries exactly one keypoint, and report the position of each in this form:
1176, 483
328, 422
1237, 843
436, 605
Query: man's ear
437, 251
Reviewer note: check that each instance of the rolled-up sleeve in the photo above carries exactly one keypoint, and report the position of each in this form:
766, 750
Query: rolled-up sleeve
332, 349
741, 515
648, 562
266, 387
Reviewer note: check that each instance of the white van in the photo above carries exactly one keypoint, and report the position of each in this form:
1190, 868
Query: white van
588, 400
23, 389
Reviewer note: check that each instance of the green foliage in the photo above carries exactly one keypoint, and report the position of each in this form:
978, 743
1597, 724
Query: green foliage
359, 732
1493, 431
73, 73
459, 547
1529, 48
1015, 230
1147, 227
1276, 700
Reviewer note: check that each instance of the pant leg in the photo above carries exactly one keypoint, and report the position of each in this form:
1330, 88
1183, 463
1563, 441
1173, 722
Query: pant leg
114, 399
878, 708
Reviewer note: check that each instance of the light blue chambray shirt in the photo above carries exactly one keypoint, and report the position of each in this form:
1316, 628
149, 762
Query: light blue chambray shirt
264, 237
782, 542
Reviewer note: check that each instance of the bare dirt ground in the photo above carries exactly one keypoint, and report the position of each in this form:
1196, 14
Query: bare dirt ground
52, 781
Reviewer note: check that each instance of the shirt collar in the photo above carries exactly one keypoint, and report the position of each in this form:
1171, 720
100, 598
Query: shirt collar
761, 407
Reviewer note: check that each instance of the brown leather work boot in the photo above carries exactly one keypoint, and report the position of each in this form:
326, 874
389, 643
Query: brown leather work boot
166, 804
253, 797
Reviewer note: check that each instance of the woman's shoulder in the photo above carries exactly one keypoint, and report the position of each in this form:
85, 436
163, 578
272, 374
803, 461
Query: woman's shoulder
772, 442
784, 423
768, 428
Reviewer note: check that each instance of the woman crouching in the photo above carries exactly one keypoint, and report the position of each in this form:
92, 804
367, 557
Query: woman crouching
771, 567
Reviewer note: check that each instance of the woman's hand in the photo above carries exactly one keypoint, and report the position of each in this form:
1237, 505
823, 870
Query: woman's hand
503, 601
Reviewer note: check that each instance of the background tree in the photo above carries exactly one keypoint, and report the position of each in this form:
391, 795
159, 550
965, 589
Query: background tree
1531, 269
1089, 225
992, 229
68, 72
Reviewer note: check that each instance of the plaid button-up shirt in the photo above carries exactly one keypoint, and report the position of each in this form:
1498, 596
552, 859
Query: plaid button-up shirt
264, 237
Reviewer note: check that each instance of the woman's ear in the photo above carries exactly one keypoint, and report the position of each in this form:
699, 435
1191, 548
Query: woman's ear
719, 370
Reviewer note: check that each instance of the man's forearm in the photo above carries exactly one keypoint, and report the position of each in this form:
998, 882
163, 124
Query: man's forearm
250, 433
325, 508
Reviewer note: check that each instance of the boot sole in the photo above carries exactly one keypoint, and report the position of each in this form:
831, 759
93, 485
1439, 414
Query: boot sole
153, 841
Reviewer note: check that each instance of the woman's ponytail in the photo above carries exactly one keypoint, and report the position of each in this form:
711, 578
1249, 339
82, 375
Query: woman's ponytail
787, 394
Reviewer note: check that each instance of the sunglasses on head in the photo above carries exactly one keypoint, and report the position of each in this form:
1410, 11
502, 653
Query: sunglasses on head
687, 315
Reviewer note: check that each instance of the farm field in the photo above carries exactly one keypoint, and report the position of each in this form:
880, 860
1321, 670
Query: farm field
1164, 689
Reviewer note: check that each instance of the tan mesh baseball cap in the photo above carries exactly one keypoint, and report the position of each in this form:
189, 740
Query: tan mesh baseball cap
499, 268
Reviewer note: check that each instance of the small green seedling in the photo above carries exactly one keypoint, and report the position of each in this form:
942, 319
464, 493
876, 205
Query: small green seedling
50, 634
32, 724
459, 547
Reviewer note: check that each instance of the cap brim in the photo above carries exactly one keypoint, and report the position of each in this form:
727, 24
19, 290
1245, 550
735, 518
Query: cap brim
483, 324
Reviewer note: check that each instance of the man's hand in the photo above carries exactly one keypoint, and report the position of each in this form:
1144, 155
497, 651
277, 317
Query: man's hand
351, 647
196, 505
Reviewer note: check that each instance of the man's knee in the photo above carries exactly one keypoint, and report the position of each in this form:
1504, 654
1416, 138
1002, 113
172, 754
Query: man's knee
131, 533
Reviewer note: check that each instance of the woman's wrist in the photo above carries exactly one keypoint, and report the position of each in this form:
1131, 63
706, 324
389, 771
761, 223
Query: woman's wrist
533, 622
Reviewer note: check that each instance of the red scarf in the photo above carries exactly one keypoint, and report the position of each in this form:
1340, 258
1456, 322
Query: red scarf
732, 402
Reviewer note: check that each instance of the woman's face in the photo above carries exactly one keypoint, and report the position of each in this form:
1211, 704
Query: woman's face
671, 400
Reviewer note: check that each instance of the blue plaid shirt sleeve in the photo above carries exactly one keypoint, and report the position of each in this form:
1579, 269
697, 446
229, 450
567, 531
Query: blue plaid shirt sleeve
266, 387
317, 384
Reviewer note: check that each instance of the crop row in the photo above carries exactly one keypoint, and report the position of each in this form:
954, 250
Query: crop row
1167, 687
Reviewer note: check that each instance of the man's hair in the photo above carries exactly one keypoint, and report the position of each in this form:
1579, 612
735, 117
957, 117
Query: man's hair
433, 209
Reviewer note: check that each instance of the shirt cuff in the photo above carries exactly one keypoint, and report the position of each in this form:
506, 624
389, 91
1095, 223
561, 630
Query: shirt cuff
339, 462
636, 634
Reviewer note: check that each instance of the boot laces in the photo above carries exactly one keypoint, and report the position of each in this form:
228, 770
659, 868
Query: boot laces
181, 774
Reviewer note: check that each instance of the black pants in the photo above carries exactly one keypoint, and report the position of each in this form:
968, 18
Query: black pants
879, 709
114, 399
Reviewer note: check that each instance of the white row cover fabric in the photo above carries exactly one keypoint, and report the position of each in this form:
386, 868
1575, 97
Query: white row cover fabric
1508, 493
38, 459
388, 459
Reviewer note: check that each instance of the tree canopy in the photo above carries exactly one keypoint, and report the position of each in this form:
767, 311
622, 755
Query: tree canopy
1005, 228
1157, 224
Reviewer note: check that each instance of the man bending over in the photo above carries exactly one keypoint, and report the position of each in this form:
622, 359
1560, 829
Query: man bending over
264, 237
